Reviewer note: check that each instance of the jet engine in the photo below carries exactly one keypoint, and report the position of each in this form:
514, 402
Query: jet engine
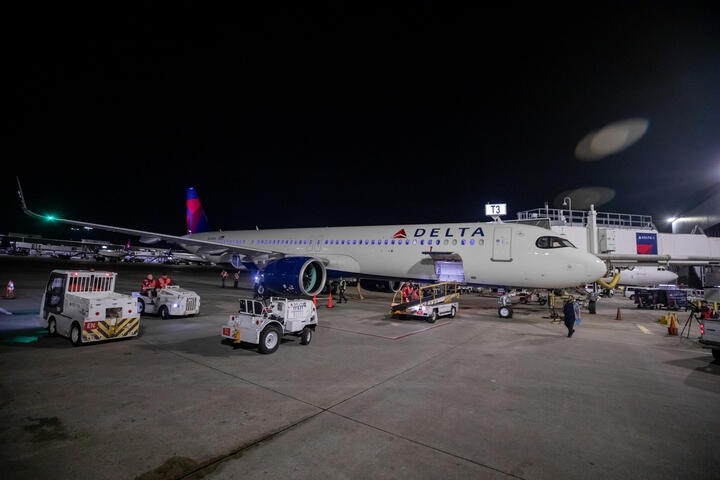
295, 276
388, 286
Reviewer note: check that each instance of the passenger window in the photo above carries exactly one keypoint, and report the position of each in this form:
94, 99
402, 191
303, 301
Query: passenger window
242, 308
258, 308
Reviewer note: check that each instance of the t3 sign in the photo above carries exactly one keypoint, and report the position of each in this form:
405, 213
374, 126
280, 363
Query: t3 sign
646, 243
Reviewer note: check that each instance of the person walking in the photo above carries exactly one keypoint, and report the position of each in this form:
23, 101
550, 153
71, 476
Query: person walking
223, 276
236, 279
341, 289
569, 312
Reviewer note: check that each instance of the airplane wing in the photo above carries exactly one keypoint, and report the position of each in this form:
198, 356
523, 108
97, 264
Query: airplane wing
221, 247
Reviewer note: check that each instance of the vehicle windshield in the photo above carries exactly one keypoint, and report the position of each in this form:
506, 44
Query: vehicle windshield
553, 242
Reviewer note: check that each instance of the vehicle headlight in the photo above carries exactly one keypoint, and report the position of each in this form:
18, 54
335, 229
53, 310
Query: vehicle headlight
176, 305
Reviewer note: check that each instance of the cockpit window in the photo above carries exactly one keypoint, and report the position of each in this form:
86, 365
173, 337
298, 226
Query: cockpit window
553, 242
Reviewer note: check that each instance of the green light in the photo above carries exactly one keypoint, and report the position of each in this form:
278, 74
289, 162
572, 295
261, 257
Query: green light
50, 218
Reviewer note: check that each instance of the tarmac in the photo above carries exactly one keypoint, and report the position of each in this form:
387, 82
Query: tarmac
371, 397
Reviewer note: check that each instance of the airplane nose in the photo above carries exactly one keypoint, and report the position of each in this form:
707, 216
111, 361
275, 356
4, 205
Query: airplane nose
595, 268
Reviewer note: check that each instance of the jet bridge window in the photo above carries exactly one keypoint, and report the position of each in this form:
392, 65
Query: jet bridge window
553, 242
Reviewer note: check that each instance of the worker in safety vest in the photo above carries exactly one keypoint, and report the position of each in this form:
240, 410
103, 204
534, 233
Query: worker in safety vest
405, 293
416, 292
149, 285
342, 286
9, 290
163, 281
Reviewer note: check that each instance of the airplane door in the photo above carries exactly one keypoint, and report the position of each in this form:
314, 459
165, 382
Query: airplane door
502, 237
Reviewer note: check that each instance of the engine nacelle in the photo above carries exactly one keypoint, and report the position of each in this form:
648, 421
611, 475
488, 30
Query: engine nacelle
295, 276
387, 286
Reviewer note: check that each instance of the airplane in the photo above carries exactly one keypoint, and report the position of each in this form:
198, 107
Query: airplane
644, 276
299, 261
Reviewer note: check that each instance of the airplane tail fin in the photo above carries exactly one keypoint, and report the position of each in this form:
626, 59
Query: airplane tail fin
197, 222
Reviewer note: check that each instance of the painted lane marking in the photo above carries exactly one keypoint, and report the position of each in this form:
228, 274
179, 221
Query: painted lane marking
383, 336
644, 330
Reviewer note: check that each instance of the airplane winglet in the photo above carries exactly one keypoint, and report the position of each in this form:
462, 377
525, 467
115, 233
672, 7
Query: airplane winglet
24, 206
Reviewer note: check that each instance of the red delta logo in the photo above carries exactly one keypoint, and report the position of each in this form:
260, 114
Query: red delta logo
400, 234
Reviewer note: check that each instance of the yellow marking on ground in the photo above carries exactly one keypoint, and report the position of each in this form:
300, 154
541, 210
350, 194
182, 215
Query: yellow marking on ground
644, 330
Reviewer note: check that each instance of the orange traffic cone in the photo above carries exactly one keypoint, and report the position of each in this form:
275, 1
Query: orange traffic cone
9, 290
618, 316
315, 299
330, 301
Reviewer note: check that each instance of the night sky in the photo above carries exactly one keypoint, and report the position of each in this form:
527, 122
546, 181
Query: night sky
331, 115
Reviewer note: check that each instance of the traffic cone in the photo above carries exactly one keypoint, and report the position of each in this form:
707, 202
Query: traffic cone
618, 316
315, 299
330, 301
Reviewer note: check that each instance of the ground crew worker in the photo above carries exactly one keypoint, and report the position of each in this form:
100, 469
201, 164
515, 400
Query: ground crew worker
416, 293
236, 279
149, 285
9, 290
163, 281
405, 293
569, 312
223, 276
341, 288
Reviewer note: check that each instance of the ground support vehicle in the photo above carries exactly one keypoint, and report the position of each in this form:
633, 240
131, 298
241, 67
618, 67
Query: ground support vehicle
709, 321
434, 301
527, 297
672, 299
83, 306
169, 302
264, 324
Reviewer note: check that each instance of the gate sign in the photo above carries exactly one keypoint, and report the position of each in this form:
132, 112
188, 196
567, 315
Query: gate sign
495, 209
646, 243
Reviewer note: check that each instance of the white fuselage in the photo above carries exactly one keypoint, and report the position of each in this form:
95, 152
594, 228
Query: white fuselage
645, 276
491, 253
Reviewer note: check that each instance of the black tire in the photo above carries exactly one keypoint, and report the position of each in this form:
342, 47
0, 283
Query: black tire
505, 312
52, 327
306, 336
592, 307
260, 289
523, 300
542, 300
716, 355
141, 306
632, 297
164, 312
269, 340
452, 312
75, 335
433, 317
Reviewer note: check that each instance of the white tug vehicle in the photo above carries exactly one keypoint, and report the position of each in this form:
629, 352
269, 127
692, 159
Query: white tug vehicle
265, 325
170, 301
83, 306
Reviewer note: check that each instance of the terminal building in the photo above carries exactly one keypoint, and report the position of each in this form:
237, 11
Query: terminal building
630, 239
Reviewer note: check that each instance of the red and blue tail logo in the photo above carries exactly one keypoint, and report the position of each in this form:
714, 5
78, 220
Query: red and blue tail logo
197, 222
